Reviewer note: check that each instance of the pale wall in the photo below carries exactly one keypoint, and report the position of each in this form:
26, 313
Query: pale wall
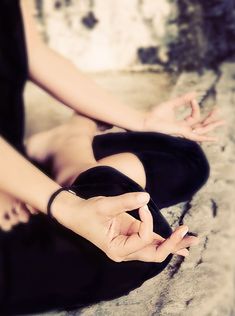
111, 43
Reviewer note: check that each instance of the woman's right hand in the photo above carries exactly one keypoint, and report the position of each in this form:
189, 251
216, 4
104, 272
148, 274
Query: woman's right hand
104, 222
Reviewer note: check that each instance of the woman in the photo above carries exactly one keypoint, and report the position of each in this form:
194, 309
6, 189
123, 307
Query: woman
101, 239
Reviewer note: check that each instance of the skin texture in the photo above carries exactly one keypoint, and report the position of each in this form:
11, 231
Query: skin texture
120, 237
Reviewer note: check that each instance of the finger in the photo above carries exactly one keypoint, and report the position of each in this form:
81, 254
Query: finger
197, 125
180, 249
13, 216
6, 224
200, 138
146, 225
170, 244
123, 246
195, 115
23, 213
187, 241
140, 239
148, 253
157, 239
31, 209
209, 127
115, 205
183, 100
211, 116
182, 252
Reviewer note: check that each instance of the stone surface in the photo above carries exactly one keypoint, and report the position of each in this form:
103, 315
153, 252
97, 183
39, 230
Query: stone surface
104, 35
203, 283
140, 34
43, 111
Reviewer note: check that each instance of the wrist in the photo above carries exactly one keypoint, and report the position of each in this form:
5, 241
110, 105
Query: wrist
140, 122
144, 123
62, 205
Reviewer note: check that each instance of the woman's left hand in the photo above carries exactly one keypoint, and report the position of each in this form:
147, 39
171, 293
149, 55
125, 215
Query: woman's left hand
162, 119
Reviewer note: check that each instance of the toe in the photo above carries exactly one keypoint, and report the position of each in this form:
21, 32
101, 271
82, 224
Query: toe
23, 213
13, 217
5, 223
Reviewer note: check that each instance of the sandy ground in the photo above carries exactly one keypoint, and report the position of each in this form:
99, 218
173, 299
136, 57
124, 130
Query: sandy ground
203, 283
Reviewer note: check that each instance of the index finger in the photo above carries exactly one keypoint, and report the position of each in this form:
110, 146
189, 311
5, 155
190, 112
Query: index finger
183, 99
200, 138
195, 114
144, 236
170, 244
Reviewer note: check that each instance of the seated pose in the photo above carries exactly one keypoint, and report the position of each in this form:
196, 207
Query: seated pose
80, 211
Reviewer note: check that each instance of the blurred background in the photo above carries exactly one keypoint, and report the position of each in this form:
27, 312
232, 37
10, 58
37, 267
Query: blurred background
145, 52
130, 34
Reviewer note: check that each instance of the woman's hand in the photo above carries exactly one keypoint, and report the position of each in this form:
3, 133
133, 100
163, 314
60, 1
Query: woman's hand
104, 222
162, 118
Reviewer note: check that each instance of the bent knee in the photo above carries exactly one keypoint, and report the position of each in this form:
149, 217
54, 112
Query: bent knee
203, 167
129, 164
199, 168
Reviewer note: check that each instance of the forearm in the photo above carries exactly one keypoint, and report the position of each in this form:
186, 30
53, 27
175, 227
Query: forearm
73, 88
21, 179
63, 80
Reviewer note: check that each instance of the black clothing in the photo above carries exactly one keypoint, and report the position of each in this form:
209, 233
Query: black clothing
175, 168
45, 266
13, 72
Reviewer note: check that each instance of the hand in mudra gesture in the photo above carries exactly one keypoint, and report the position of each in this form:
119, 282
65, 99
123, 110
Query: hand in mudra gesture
162, 118
104, 222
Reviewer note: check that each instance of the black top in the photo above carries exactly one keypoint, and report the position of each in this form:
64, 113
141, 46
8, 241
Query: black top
13, 72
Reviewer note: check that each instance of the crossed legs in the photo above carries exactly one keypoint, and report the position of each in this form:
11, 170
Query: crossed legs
69, 150
169, 168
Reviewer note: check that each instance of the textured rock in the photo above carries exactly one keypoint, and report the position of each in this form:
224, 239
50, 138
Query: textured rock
206, 33
203, 283
104, 35
140, 34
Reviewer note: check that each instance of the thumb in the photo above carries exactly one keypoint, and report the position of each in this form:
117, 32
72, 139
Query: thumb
115, 205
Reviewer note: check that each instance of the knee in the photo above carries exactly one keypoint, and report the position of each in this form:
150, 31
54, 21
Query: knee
199, 165
127, 163
191, 172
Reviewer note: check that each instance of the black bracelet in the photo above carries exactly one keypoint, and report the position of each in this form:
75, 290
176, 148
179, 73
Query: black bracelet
53, 196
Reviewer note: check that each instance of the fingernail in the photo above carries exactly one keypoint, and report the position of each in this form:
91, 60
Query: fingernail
184, 232
143, 197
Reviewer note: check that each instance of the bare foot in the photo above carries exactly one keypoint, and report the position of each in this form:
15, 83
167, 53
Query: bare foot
12, 212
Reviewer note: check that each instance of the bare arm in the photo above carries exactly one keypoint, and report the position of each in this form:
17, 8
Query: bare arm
21, 179
64, 81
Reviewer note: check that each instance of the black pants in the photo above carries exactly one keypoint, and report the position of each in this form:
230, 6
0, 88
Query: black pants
44, 266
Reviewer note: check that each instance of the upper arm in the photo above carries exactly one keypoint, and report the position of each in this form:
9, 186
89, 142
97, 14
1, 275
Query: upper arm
32, 37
